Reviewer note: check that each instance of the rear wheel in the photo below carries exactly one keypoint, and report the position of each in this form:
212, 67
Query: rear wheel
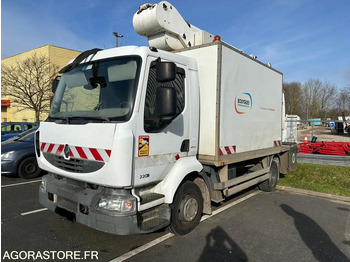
29, 168
271, 183
186, 209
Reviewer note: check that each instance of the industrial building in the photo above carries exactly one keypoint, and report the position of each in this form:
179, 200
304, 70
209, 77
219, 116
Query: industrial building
57, 55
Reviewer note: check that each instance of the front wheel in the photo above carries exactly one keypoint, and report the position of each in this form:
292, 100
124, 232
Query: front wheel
29, 168
187, 208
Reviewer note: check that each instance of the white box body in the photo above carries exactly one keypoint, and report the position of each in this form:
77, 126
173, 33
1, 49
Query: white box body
240, 102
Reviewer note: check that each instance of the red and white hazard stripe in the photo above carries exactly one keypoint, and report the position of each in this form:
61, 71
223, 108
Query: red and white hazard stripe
93, 154
277, 143
227, 150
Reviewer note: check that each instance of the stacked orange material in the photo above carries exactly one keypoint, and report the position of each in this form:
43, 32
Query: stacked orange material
325, 148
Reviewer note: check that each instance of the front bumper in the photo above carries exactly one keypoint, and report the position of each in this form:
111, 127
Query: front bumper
9, 166
61, 195
79, 203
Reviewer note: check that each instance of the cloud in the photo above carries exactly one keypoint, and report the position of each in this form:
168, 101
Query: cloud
284, 57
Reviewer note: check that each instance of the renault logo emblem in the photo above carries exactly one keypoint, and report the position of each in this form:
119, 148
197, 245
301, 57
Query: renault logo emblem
66, 152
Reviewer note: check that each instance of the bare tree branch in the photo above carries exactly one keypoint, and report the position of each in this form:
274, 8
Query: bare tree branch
316, 99
28, 83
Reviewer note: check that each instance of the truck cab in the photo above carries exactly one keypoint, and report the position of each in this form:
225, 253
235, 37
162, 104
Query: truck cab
118, 124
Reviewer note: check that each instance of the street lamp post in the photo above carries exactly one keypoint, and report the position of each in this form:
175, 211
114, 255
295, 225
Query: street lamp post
117, 36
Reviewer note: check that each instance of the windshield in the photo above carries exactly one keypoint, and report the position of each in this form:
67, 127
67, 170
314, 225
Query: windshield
100, 90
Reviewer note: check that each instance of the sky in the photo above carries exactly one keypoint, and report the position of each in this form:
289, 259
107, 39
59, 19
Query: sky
303, 39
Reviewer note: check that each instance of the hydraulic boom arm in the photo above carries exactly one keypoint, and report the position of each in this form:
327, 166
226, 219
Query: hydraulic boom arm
166, 29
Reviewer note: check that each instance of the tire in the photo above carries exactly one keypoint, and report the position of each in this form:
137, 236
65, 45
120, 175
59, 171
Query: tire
187, 208
271, 183
28, 168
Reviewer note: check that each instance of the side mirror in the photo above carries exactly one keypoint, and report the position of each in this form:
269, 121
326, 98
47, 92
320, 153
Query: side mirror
166, 103
98, 81
55, 82
165, 71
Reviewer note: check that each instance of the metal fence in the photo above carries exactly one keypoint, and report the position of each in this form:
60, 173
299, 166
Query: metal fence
313, 130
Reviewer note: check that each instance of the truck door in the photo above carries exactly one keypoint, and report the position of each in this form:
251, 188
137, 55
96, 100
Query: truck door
159, 145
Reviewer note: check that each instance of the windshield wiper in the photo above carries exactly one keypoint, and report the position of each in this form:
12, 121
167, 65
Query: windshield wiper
99, 118
68, 119
51, 118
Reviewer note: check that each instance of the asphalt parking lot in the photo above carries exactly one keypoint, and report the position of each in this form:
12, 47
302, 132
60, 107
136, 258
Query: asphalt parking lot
255, 226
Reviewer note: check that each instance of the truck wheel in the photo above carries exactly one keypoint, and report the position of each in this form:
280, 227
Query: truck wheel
270, 184
29, 168
186, 210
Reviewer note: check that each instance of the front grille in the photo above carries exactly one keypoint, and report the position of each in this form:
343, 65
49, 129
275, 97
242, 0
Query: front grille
73, 165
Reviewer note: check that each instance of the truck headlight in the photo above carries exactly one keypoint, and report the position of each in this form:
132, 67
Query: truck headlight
117, 203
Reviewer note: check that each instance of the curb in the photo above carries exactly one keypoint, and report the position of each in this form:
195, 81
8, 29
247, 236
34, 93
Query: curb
313, 193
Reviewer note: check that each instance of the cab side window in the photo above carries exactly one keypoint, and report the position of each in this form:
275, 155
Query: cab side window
151, 119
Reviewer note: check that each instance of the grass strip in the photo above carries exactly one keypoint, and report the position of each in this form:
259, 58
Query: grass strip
321, 178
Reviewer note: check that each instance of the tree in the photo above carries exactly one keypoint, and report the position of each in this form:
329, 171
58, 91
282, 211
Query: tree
28, 84
314, 99
293, 98
343, 101
319, 98
327, 97
311, 90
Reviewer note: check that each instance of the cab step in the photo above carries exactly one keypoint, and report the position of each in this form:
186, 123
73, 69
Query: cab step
155, 219
150, 200
153, 223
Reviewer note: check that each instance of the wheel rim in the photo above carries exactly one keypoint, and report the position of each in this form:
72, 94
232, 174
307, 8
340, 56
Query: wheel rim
30, 168
188, 208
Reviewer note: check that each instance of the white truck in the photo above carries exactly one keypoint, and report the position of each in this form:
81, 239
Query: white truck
140, 138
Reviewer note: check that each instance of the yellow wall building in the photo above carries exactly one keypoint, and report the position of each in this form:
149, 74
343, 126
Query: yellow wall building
57, 55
